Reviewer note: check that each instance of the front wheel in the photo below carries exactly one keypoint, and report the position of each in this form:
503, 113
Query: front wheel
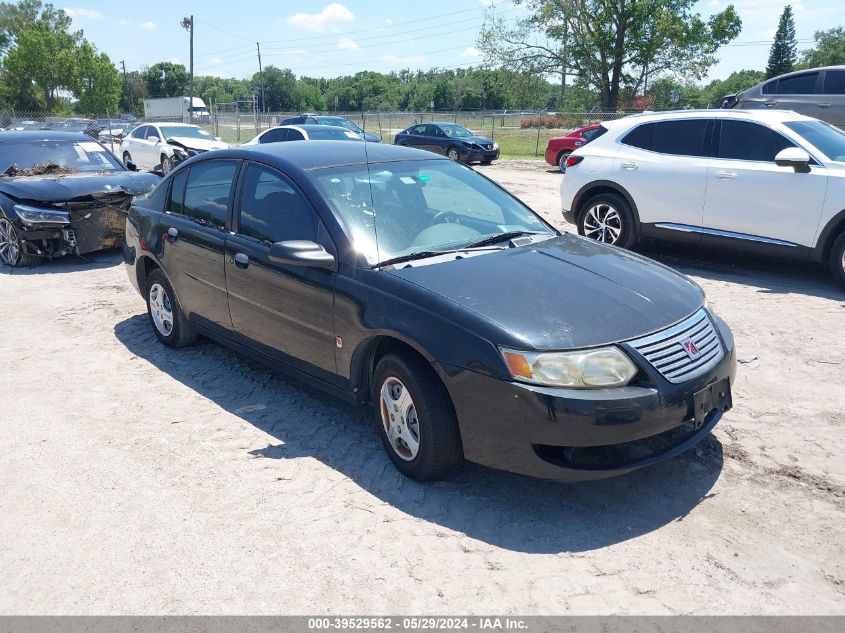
12, 250
416, 422
607, 218
837, 259
166, 164
127, 158
453, 153
170, 324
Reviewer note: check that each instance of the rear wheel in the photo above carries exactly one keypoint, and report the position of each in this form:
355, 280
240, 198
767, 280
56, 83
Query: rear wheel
837, 259
608, 218
416, 422
170, 324
11, 248
561, 160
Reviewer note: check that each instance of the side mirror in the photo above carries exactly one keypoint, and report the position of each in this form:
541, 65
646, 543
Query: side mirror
301, 253
131, 166
794, 157
153, 139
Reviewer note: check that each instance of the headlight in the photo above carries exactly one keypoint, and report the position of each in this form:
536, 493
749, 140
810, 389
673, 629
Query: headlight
594, 368
495, 146
34, 215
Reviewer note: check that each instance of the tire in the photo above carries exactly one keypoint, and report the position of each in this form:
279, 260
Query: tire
561, 160
11, 248
163, 307
127, 157
487, 162
166, 164
406, 384
453, 153
837, 259
608, 218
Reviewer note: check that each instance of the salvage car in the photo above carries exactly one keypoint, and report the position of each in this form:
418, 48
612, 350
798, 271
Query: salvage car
160, 146
397, 279
451, 140
61, 193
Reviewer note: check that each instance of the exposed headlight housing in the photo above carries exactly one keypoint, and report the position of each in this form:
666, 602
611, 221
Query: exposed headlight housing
586, 369
34, 215
495, 146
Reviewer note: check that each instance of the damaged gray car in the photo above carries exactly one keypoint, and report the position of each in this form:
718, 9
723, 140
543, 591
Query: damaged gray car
62, 193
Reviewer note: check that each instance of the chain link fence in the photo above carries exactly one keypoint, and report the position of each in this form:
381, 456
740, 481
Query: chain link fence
519, 134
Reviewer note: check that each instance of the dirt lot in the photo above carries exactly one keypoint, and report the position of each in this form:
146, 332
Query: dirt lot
137, 479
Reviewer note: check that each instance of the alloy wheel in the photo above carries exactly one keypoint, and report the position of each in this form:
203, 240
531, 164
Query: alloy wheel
603, 223
561, 162
9, 249
166, 165
453, 154
399, 417
161, 309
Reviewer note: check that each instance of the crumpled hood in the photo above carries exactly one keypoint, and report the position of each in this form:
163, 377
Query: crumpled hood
563, 293
478, 139
199, 143
68, 187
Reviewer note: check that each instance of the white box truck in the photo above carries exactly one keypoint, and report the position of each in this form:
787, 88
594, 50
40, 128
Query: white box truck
178, 108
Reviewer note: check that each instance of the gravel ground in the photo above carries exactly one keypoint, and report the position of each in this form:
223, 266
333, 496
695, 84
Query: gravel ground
141, 480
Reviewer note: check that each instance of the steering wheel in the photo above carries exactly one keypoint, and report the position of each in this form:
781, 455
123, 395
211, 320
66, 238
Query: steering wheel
446, 217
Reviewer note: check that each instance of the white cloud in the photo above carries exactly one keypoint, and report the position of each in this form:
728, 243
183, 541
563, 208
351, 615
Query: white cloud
346, 44
149, 25
84, 14
175, 60
215, 61
123, 22
325, 20
471, 52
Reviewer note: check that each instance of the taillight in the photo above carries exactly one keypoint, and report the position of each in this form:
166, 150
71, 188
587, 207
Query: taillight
573, 160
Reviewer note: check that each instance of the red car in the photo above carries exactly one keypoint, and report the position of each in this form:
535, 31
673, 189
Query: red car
560, 147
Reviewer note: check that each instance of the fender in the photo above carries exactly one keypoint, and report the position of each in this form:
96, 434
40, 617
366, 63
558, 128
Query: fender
602, 186
834, 226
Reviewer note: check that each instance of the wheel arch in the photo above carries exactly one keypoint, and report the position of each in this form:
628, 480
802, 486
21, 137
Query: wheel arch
145, 265
833, 229
597, 187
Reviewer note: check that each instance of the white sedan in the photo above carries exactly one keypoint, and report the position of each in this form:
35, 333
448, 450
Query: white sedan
769, 182
283, 133
154, 146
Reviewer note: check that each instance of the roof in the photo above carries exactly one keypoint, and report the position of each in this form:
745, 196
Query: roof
765, 116
802, 71
169, 124
16, 136
308, 156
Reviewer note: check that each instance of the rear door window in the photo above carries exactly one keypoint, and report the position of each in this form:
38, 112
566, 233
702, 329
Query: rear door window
803, 84
743, 140
834, 82
209, 191
681, 138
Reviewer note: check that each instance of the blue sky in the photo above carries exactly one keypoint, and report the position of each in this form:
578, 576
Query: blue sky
326, 38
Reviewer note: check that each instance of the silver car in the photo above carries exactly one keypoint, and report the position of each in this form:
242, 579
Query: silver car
818, 93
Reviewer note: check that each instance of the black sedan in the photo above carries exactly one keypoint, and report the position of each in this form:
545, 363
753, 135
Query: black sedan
449, 139
60, 193
410, 283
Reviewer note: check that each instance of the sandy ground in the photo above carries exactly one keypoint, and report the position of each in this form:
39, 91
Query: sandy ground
136, 479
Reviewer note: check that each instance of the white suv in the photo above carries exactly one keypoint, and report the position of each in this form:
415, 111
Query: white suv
770, 182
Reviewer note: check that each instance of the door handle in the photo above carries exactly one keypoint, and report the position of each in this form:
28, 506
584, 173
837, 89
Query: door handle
726, 175
770, 104
240, 260
824, 105
172, 234
629, 165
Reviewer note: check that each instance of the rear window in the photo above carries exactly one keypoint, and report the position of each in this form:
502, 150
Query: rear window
804, 84
834, 82
641, 136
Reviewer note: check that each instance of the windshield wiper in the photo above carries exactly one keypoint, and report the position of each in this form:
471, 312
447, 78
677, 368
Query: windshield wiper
409, 257
502, 237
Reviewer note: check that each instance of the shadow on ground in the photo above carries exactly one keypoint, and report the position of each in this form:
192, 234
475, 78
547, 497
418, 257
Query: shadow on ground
68, 264
505, 510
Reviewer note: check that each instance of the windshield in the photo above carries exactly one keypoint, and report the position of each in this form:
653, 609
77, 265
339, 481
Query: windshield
830, 140
83, 156
331, 134
456, 131
340, 122
187, 131
396, 209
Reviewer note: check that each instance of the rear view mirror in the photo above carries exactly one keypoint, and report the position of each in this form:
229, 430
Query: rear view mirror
301, 253
131, 166
794, 157
153, 139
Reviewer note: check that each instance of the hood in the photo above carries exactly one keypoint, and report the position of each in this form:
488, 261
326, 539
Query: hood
370, 138
478, 139
63, 188
199, 143
564, 293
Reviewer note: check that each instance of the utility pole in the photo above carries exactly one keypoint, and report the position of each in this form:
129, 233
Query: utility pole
126, 86
188, 25
261, 77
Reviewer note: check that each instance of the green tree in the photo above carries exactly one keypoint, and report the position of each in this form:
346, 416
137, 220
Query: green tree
99, 84
16, 17
716, 90
166, 79
44, 61
611, 42
783, 55
828, 51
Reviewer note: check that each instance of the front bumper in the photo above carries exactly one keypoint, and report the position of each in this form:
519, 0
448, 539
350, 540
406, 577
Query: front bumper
473, 155
89, 230
572, 435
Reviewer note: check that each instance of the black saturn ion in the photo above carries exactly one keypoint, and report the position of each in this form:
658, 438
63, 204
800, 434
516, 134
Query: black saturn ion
411, 284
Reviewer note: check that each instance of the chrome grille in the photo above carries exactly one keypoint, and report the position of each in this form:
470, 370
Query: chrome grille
666, 350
